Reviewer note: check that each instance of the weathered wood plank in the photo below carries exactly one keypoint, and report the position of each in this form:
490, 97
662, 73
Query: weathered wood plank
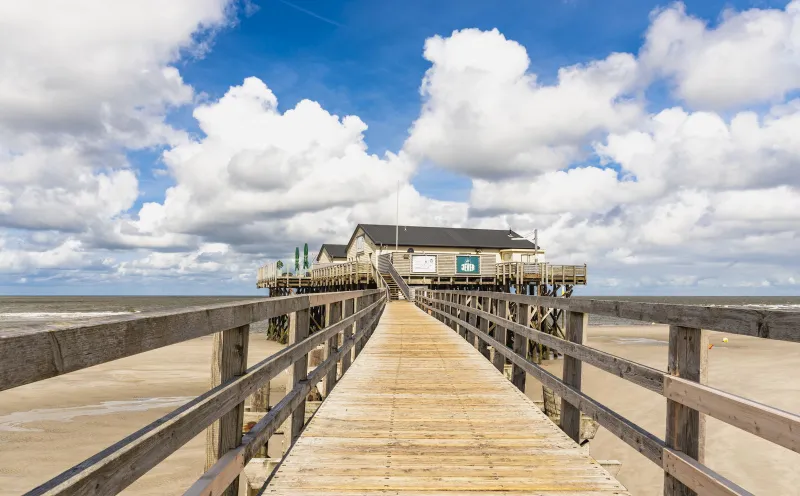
699, 478
577, 324
770, 423
421, 420
687, 359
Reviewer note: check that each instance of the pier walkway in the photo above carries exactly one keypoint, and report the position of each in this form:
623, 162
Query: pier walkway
422, 411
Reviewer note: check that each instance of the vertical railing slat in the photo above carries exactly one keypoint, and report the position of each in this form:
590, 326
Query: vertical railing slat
299, 327
228, 360
577, 324
520, 346
688, 354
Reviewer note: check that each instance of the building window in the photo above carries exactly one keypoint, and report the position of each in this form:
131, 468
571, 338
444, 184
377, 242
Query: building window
360, 244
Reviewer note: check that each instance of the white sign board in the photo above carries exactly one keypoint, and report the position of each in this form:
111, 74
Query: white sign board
423, 263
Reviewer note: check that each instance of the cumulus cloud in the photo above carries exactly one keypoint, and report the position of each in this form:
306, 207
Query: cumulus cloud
257, 168
486, 116
79, 86
749, 57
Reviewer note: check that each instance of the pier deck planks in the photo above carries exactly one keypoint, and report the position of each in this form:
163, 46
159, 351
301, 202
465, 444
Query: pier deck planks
422, 412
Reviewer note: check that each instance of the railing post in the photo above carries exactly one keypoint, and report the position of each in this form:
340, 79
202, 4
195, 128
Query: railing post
333, 314
577, 324
462, 331
686, 427
472, 319
499, 360
521, 346
360, 304
299, 324
486, 303
228, 360
349, 309
453, 311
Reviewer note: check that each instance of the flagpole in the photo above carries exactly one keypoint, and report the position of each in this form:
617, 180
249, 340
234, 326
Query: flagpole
397, 219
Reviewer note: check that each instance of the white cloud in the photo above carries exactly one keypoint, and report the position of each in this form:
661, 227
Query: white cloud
750, 57
486, 116
257, 169
81, 83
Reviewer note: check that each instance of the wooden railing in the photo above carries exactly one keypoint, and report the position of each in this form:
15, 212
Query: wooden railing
547, 273
386, 266
28, 357
681, 454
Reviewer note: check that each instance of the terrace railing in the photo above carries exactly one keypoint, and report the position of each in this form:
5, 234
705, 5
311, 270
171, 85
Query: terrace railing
681, 453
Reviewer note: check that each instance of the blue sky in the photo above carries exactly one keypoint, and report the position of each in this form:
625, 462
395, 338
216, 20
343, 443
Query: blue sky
365, 59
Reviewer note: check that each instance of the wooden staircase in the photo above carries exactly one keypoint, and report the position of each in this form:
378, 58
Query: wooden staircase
393, 280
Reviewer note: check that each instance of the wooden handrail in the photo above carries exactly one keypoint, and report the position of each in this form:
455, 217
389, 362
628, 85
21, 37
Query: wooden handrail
27, 357
116, 467
774, 425
770, 324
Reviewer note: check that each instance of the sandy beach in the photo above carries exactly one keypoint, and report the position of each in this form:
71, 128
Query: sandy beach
47, 427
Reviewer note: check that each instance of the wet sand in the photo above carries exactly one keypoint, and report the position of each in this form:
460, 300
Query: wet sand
762, 370
759, 369
47, 427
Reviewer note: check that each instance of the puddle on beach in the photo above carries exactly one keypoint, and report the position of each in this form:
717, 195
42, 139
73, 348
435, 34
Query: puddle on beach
645, 341
14, 422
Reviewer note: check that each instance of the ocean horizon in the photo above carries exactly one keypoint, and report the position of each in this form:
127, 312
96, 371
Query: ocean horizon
31, 312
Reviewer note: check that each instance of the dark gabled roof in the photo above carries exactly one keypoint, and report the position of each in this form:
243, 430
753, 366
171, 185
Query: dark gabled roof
334, 251
443, 237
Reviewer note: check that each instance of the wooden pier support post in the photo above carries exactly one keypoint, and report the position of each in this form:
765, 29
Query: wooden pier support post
486, 303
333, 314
299, 324
499, 360
577, 325
228, 360
521, 346
349, 309
686, 427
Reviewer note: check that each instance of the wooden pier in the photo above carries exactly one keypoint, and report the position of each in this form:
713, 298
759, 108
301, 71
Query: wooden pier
416, 401
422, 411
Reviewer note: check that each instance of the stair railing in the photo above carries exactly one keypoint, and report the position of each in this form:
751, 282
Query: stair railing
386, 266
